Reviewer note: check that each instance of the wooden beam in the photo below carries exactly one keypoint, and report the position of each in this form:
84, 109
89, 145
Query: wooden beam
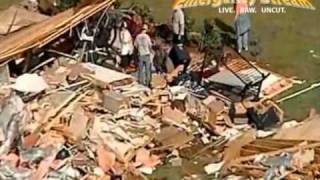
45, 32
260, 147
273, 153
244, 166
247, 152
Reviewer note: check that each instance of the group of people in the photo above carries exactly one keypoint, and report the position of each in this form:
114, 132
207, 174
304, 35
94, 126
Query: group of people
151, 54
141, 46
242, 24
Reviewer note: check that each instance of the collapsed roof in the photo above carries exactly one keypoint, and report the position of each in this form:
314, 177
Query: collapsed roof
41, 34
15, 18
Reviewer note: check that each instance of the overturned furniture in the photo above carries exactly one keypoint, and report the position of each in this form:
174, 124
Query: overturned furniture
241, 75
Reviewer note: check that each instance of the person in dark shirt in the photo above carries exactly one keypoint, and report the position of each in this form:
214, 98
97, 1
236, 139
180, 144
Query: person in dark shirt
160, 57
180, 56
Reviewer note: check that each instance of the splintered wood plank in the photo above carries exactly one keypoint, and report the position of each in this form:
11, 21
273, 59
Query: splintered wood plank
276, 144
276, 152
247, 152
280, 141
237, 65
254, 173
233, 148
260, 148
51, 29
246, 166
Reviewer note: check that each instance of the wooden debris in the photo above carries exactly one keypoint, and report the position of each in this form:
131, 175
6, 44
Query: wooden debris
289, 147
173, 116
51, 29
309, 130
108, 76
303, 154
171, 137
78, 124
113, 101
158, 81
144, 158
43, 168
30, 140
106, 159
93, 122
233, 148
15, 18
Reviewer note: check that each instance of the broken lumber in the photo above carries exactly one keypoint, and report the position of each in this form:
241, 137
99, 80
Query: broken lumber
311, 87
51, 29
276, 152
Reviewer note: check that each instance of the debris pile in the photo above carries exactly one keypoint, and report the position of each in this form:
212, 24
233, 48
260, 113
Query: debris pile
278, 158
102, 123
72, 118
86, 121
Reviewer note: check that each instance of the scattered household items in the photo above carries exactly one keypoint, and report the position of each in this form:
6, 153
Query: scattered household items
73, 114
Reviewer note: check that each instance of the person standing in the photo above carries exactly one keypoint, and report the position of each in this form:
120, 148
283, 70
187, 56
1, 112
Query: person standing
144, 47
178, 24
114, 43
242, 25
126, 46
160, 57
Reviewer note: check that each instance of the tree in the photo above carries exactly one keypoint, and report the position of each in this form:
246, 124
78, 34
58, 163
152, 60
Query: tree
65, 4
211, 40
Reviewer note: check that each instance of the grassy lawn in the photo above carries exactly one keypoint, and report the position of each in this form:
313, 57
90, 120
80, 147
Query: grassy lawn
286, 40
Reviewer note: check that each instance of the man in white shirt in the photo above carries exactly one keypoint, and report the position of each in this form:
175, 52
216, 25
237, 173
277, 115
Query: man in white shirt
144, 47
178, 24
